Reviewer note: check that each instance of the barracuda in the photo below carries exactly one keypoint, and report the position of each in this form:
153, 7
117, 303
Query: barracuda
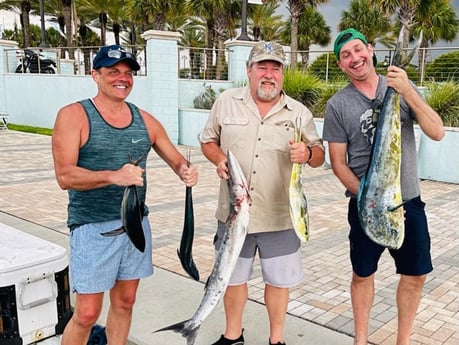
227, 254
379, 199
298, 203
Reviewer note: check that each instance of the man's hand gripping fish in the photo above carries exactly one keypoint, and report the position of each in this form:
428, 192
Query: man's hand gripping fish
379, 198
297, 198
131, 213
227, 254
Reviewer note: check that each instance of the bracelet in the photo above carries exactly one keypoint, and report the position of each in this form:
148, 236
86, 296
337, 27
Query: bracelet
310, 155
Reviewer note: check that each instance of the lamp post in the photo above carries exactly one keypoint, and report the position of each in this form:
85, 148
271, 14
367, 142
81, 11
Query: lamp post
243, 36
42, 19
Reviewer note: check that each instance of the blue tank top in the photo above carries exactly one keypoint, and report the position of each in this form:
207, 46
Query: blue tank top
107, 148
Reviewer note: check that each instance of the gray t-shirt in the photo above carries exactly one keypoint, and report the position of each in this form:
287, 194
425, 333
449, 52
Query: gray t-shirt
349, 119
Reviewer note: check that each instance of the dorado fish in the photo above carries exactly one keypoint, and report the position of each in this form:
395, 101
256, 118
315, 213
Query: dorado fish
379, 199
186, 242
131, 212
227, 254
298, 203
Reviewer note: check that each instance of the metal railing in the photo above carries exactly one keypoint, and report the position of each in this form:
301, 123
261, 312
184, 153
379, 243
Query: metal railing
61, 60
432, 64
203, 63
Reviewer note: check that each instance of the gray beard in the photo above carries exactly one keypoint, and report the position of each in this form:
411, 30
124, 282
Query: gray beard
262, 95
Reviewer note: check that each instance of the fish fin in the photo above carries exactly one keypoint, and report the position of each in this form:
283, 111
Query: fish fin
181, 327
400, 59
395, 207
115, 232
207, 282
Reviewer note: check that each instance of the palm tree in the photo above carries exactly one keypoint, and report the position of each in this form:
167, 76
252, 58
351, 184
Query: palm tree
296, 8
405, 9
205, 10
193, 37
312, 29
100, 8
67, 12
437, 20
264, 22
24, 8
369, 21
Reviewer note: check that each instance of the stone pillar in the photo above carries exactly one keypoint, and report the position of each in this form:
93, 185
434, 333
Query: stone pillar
162, 64
8, 63
237, 58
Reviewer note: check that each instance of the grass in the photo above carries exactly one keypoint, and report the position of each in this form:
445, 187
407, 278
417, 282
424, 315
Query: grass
30, 129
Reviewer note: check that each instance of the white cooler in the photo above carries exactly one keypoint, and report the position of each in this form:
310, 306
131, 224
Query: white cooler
34, 288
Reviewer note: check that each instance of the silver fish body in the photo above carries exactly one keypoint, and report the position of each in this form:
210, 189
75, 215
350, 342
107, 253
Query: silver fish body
227, 255
298, 204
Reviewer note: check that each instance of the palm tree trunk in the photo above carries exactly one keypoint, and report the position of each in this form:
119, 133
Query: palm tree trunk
25, 23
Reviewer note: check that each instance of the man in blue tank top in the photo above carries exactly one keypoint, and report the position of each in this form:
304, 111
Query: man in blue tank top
93, 143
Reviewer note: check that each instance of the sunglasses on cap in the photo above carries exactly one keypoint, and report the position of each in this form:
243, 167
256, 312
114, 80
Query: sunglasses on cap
119, 53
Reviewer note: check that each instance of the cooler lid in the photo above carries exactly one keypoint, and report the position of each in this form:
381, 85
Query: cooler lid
19, 249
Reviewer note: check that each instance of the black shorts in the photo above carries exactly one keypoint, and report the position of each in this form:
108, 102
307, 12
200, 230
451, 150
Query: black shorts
412, 258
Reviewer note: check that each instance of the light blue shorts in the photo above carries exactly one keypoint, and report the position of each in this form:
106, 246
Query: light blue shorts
280, 257
97, 262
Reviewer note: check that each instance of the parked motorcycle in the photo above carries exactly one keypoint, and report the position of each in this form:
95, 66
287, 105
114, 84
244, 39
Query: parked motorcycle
33, 62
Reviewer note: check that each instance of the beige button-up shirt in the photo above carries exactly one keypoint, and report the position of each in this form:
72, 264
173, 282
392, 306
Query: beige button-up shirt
262, 148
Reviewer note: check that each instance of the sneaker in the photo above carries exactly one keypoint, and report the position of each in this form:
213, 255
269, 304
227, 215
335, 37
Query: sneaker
279, 343
225, 341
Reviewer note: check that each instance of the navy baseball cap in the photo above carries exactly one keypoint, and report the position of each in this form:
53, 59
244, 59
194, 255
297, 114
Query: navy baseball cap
107, 56
346, 36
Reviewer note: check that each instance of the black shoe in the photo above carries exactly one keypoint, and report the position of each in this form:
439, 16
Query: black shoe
225, 341
279, 343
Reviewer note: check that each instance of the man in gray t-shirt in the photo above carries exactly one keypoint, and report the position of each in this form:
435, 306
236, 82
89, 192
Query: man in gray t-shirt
349, 127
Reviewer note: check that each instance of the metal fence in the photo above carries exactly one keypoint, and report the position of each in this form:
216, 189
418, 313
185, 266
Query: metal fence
61, 60
431, 64
203, 63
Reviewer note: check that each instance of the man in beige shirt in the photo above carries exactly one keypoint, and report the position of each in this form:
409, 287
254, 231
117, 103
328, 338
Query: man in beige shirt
256, 123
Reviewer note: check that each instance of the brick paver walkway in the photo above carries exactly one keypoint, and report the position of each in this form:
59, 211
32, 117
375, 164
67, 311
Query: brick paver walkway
28, 190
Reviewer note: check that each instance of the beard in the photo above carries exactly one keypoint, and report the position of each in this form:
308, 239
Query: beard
267, 96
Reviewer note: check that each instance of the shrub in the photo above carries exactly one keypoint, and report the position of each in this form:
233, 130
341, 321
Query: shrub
318, 109
304, 87
331, 73
205, 99
444, 99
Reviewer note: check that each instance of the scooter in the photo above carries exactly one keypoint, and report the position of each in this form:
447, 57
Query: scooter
33, 62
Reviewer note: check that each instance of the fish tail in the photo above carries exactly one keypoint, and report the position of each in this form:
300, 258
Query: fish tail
189, 266
184, 329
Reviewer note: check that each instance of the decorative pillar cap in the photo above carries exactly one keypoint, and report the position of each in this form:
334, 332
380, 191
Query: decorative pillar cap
161, 35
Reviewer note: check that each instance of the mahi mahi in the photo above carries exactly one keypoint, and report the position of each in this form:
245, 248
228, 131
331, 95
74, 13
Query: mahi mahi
379, 199
298, 203
226, 256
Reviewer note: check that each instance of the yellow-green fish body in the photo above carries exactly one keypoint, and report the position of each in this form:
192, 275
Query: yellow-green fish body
298, 203
380, 194
379, 199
